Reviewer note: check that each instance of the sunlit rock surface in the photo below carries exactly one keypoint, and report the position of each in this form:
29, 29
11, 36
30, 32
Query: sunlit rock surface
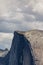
36, 39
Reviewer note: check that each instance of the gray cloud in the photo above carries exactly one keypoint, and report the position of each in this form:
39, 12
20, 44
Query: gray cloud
20, 15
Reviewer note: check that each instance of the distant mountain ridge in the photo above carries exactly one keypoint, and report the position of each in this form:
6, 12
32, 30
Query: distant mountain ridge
3, 52
4, 49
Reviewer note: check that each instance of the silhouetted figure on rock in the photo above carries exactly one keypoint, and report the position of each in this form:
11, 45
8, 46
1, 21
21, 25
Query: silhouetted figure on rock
20, 52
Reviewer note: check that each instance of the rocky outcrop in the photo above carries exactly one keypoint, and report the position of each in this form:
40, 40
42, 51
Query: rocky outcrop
20, 52
36, 39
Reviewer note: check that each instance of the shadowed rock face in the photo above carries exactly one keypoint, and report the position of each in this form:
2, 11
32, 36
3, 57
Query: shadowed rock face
20, 52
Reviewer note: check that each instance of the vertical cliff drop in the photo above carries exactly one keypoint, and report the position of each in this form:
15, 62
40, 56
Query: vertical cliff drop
20, 52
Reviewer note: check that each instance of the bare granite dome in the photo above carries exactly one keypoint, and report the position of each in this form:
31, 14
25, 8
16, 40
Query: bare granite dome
36, 39
34, 49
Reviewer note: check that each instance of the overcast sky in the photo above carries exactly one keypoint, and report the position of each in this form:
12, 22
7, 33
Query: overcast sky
19, 15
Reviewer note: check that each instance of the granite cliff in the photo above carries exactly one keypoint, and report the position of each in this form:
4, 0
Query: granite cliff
20, 52
36, 39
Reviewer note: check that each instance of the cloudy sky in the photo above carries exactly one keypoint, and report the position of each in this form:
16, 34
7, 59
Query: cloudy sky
19, 15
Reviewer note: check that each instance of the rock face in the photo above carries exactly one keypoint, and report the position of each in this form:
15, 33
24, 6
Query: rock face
36, 39
26, 47
20, 52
